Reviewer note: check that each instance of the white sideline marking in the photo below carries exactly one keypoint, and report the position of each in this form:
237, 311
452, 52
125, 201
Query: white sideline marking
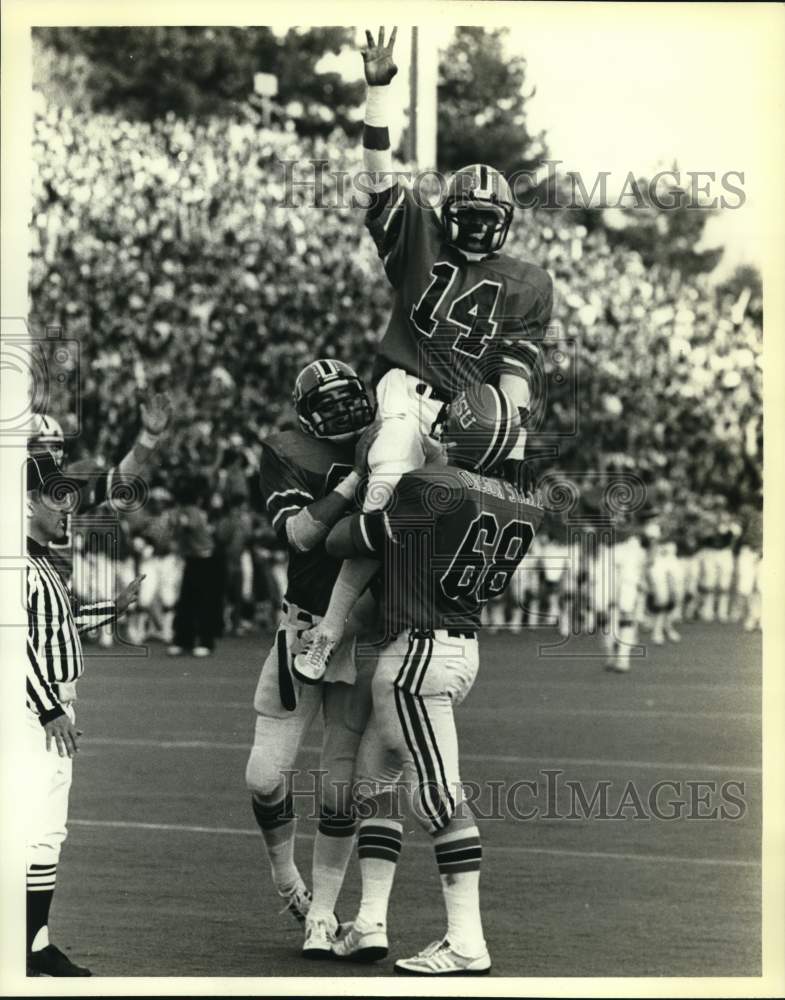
651, 713
249, 681
229, 831
89, 741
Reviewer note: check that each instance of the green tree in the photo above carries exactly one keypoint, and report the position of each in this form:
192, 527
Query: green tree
149, 71
482, 105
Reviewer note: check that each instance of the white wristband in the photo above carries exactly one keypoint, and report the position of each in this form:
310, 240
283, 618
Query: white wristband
377, 106
147, 439
348, 486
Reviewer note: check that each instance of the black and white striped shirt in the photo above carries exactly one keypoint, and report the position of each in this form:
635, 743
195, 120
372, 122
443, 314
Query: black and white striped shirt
54, 624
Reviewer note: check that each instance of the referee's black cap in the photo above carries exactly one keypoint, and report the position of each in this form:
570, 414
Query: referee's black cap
43, 473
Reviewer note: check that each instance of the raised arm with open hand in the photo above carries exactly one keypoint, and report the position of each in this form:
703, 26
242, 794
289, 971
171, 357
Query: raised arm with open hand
379, 65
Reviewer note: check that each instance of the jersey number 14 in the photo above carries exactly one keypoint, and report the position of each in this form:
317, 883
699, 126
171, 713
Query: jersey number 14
486, 558
471, 313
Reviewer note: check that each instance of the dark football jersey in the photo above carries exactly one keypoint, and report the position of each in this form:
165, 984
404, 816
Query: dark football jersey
450, 541
753, 530
454, 322
296, 470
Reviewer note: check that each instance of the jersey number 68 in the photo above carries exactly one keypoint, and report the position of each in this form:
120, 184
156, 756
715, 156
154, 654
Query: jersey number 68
486, 558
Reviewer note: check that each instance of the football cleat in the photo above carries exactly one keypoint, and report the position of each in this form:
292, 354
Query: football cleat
320, 936
440, 959
298, 901
50, 961
310, 665
617, 666
357, 945
672, 635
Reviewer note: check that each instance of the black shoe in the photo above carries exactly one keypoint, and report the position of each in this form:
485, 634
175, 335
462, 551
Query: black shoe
50, 961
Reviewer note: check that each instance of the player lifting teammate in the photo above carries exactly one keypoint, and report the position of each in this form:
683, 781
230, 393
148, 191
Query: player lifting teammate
308, 483
449, 539
464, 313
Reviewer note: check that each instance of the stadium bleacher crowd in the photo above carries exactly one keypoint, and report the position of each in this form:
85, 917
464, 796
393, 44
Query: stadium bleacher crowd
178, 255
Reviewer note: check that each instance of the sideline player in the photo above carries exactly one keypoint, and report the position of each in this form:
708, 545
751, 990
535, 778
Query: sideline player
450, 539
54, 665
618, 591
464, 313
663, 583
308, 481
748, 570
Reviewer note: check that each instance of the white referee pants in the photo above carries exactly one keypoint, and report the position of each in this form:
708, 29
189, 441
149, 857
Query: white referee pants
47, 782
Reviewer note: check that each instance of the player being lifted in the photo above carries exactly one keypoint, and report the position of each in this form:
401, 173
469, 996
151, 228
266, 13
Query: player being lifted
464, 313
449, 540
308, 483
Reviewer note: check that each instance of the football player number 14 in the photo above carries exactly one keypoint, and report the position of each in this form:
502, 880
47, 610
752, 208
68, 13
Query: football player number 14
471, 313
486, 558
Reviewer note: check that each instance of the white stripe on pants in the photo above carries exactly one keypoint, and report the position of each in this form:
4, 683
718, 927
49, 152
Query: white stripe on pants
418, 682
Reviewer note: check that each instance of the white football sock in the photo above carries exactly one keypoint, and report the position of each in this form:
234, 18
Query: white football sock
461, 893
352, 580
455, 850
331, 856
379, 849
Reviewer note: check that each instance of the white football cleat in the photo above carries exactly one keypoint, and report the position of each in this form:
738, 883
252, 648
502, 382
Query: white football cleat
357, 945
310, 665
298, 901
440, 959
320, 936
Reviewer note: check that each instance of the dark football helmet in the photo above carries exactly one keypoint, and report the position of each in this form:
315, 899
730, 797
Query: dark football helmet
480, 429
331, 401
477, 209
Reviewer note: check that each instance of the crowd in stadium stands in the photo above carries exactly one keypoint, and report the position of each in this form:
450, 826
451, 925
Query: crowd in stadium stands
181, 254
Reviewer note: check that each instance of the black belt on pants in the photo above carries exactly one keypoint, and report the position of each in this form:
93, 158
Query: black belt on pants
453, 633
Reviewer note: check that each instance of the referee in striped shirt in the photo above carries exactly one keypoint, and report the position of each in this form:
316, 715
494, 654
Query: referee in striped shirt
54, 665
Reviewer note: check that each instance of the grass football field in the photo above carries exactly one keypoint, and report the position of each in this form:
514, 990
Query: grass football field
163, 872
